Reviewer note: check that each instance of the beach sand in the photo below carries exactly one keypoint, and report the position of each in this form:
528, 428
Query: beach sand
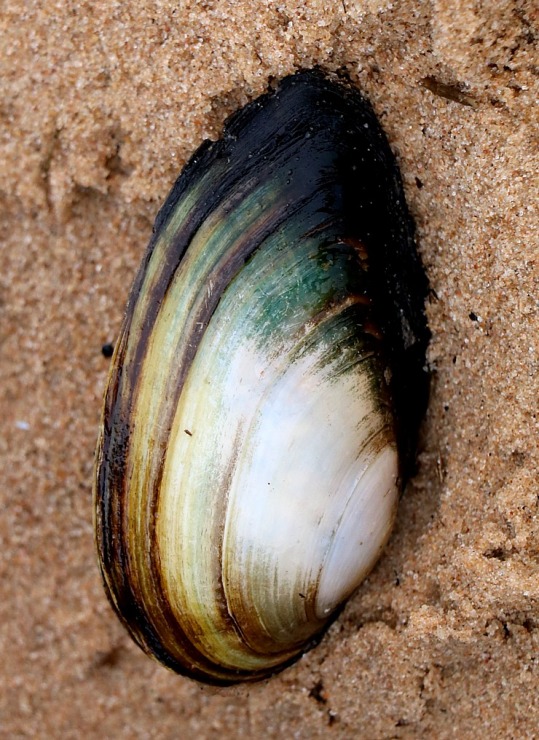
102, 103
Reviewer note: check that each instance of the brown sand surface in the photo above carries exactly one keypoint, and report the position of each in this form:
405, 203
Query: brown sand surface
101, 104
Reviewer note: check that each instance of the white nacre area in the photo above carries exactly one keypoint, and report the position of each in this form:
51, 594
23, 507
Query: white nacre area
291, 468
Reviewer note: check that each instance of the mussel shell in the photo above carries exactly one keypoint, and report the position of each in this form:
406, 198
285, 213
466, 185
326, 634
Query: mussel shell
270, 365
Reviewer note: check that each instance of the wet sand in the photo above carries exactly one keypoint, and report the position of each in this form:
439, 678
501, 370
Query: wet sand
101, 106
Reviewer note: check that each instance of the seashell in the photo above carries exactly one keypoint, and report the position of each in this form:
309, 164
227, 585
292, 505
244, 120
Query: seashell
266, 389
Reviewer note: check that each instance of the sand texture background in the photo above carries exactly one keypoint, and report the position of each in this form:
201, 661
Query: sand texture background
101, 105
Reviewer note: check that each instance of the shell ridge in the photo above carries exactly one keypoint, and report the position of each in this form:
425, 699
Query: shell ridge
154, 568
